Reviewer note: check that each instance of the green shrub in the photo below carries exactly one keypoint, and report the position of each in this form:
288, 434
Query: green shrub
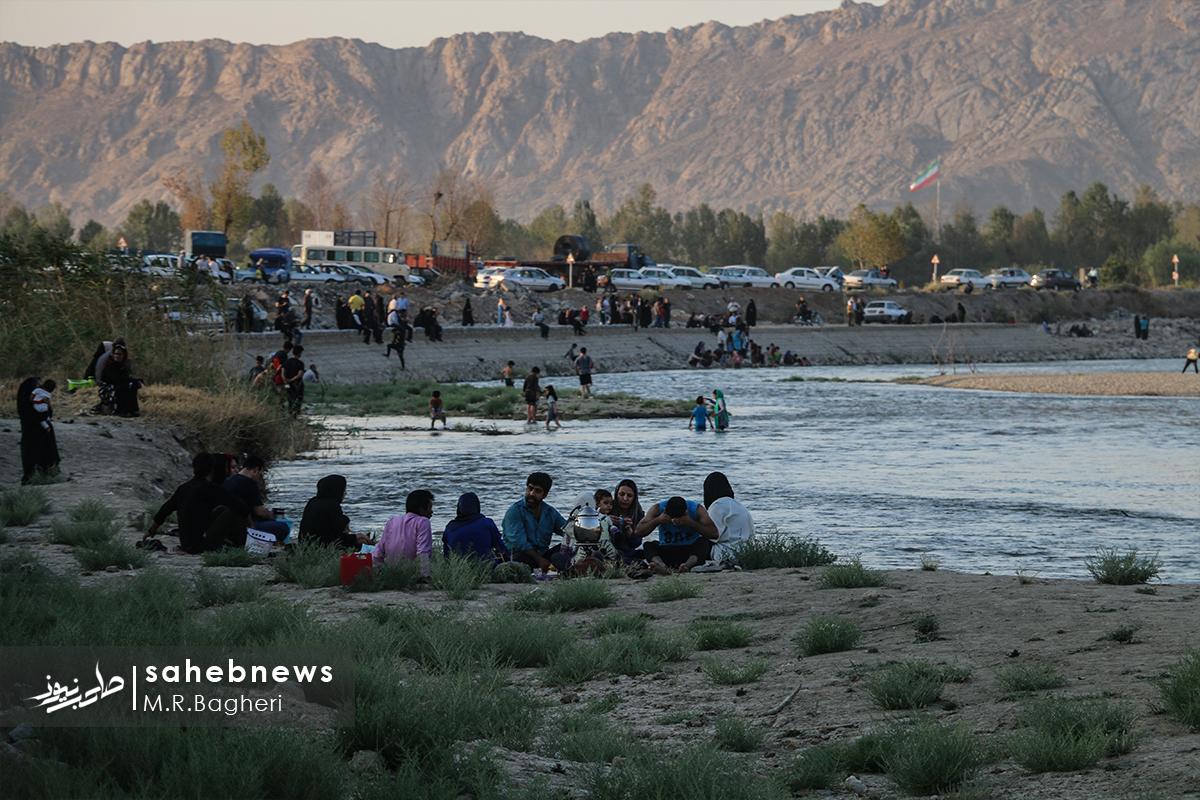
24, 573
931, 758
672, 587
814, 768
92, 511
619, 623
1180, 691
82, 534
511, 639
697, 772
310, 564
1123, 634
734, 674
110, 553
396, 575
851, 575
590, 738
512, 572
736, 735
231, 557
913, 684
1061, 734
782, 551
22, 506
1030, 678
48, 477
1107, 566
459, 576
618, 653
827, 634
868, 753
721, 634
211, 589
576, 594
927, 626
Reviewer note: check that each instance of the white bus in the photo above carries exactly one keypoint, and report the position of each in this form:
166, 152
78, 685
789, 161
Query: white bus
384, 260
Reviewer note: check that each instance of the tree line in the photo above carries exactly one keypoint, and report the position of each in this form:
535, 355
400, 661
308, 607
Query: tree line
1128, 241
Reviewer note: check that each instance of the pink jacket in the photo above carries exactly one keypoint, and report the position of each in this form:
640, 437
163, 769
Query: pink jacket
409, 536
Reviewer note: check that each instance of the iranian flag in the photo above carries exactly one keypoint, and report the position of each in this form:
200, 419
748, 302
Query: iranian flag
925, 178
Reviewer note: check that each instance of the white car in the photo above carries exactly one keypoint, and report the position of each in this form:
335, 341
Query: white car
963, 278
1009, 277
302, 273
192, 313
630, 280
869, 279
804, 278
745, 276
530, 278
695, 277
833, 273
353, 273
883, 311
483, 278
665, 277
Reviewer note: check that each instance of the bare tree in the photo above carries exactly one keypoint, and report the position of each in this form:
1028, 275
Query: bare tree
454, 205
387, 207
320, 197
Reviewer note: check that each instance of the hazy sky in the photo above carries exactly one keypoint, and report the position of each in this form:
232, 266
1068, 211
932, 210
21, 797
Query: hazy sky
394, 23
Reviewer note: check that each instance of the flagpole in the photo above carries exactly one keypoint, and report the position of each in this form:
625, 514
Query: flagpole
937, 212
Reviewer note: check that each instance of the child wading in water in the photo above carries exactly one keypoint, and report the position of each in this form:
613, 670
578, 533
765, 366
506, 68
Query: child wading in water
699, 415
552, 412
436, 410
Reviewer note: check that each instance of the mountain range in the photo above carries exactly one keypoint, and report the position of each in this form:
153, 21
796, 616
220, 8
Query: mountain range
1021, 100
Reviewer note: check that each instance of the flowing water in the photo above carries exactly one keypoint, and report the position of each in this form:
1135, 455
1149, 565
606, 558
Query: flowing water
982, 481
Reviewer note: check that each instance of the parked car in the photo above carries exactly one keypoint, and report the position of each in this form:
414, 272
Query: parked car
744, 276
302, 273
162, 266
695, 277
530, 278
834, 273
884, 311
665, 277
869, 279
483, 278
630, 280
962, 278
353, 273
192, 313
1055, 279
1009, 278
274, 260
258, 314
423, 276
805, 278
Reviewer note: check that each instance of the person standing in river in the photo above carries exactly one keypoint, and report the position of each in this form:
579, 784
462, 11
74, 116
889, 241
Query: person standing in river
532, 390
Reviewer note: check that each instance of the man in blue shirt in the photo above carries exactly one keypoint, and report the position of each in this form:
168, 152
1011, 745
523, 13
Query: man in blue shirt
529, 525
685, 535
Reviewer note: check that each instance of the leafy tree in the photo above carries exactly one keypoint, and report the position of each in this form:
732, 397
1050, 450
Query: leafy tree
740, 238
962, 243
187, 186
298, 218
516, 240
93, 232
1116, 271
18, 223
1157, 266
696, 237
639, 221
320, 198
998, 236
152, 227
546, 227
1030, 242
55, 220
871, 240
482, 227
245, 154
585, 224
268, 221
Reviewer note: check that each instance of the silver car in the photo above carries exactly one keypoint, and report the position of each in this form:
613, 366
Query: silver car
744, 276
804, 278
695, 277
665, 277
869, 279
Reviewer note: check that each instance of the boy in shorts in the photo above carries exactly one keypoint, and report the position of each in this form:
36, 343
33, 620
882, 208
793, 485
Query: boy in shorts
436, 410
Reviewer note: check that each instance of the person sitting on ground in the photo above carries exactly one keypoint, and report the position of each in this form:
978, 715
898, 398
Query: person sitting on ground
323, 520
472, 534
531, 523
625, 515
685, 534
311, 375
539, 319
102, 354
257, 372
118, 387
245, 485
408, 536
733, 522
437, 410
209, 515
699, 420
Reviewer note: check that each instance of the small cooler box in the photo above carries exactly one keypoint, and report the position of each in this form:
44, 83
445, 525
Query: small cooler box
354, 563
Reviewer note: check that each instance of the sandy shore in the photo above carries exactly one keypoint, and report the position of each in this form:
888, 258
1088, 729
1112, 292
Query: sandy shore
1148, 384
988, 624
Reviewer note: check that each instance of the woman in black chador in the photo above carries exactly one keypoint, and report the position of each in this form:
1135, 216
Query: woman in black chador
39, 449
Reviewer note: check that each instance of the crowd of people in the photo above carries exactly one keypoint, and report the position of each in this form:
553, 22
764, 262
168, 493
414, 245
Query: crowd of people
737, 348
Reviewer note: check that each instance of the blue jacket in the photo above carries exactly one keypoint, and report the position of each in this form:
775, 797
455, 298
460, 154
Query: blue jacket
524, 532
480, 539
675, 535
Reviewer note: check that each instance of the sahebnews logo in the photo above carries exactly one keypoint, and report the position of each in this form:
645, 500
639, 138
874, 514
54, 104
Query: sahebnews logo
174, 686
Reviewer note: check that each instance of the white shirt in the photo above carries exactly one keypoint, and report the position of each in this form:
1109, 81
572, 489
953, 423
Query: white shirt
734, 524
721, 339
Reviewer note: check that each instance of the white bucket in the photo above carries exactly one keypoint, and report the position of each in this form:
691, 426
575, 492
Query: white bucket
259, 542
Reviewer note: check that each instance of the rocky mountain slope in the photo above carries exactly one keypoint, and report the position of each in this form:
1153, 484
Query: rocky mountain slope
1022, 99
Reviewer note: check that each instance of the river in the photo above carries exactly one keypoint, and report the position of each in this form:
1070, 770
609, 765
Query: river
981, 481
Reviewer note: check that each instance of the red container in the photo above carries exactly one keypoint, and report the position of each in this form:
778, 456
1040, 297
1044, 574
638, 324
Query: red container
354, 563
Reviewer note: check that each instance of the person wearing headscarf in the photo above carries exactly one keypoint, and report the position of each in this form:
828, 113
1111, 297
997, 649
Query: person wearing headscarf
39, 451
735, 526
323, 520
625, 516
720, 410
472, 534
408, 536
118, 387
468, 314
